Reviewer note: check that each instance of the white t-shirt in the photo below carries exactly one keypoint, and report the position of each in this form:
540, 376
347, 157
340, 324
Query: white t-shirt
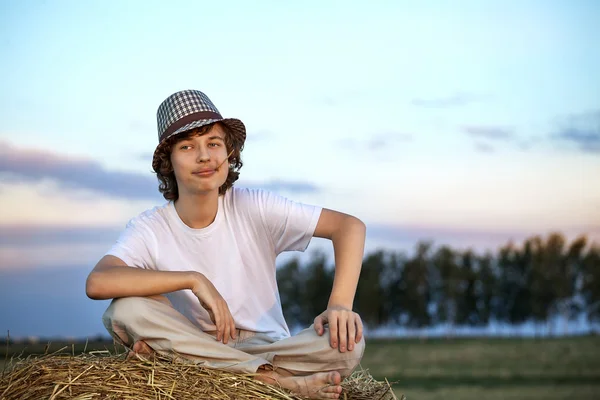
236, 253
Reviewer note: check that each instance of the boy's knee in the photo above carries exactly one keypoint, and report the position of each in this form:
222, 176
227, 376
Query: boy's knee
344, 362
123, 309
326, 341
127, 309
119, 315
359, 347
353, 362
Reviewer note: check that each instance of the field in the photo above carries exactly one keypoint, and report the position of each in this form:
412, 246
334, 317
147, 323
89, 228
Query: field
467, 369
566, 368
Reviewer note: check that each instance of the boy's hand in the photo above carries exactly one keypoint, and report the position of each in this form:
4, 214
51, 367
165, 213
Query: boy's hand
345, 327
217, 307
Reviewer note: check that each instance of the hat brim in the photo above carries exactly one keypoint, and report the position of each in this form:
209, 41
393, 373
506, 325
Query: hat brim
236, 128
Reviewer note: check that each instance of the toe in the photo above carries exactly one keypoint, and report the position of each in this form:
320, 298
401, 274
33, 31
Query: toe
332, 389
335, 378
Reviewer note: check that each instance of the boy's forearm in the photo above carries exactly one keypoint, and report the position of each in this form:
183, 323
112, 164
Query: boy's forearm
120, 281
348, 245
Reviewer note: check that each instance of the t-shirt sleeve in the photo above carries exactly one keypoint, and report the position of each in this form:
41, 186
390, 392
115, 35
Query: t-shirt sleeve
290, 224
134, 246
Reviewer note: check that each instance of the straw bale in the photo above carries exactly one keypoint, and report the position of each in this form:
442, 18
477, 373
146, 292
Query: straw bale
101, 375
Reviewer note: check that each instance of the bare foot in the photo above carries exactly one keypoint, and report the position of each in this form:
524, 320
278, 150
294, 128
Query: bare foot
322, 385
140, 347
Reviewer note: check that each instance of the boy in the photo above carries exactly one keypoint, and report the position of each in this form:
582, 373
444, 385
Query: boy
196, 276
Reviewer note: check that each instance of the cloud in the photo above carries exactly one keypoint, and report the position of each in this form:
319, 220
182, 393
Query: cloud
525, 145
378, 143
375, 142
69, 172
489, 132
345, 97
483, 135
34, 235
146, 157
455, 100
587, 141
38, 246
581, 130
484, 148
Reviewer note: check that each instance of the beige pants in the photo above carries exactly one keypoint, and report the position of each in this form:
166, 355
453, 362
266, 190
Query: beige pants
167, 331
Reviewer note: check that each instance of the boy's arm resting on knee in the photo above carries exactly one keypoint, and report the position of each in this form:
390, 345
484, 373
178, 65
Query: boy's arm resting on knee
112, 278
347, 234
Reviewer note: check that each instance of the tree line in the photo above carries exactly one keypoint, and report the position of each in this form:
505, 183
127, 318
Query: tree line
535, 281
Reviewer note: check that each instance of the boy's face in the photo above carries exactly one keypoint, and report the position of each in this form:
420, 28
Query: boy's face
196, 162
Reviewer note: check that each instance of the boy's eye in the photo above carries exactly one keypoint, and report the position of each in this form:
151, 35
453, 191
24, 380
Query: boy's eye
214, 144
185, 147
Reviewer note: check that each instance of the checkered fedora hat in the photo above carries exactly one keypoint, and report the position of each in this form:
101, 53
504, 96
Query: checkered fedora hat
186, 110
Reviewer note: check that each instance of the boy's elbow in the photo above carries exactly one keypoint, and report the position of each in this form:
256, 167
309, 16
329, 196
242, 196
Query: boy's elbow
93, 288
350, 225
358, 224
362, 225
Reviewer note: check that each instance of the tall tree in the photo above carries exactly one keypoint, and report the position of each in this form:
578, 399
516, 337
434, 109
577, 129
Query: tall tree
445, 285
393, 285
370, 295
416, 293
591, 282
541, 282
467, 312
562, 274
514, 278
486, 289
317, 287
290, 280
574, 265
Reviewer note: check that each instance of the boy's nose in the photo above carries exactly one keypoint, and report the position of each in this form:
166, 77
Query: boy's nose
203, 155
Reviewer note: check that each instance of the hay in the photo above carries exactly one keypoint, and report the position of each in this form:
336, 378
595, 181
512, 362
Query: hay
100, 375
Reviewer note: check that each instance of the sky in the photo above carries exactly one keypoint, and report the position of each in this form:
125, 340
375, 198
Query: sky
469, 123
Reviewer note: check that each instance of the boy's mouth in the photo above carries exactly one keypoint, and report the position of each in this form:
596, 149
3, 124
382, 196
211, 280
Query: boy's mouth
204, 172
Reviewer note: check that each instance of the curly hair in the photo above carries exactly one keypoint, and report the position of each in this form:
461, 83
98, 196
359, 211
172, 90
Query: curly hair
166, 175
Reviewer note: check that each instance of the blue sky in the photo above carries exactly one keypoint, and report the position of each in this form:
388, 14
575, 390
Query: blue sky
467, 122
